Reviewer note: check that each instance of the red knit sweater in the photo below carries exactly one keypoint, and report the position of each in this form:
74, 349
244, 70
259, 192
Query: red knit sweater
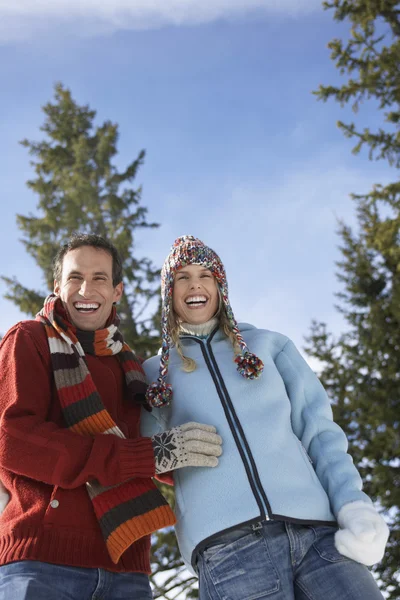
45, 466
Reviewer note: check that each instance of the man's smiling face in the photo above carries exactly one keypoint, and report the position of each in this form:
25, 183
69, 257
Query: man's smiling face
86, 287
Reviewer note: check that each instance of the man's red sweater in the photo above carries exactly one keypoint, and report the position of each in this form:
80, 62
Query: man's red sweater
45, 466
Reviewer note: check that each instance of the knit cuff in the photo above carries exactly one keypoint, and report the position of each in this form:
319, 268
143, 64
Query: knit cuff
137, 458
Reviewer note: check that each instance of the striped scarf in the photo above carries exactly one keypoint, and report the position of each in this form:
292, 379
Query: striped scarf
133, 509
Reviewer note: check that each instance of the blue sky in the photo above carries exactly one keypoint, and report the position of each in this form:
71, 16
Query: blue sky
239, 151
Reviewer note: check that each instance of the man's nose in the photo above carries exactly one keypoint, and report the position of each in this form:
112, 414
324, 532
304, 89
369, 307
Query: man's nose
86, 288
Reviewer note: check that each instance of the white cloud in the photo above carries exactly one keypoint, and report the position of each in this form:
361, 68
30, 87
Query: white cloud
21, 19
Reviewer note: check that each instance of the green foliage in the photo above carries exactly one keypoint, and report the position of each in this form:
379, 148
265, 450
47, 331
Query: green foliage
80, 189
370, 58
28, 301
361, 369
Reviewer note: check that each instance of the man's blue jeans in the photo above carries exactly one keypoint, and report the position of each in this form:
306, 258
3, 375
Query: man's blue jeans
34, 580
281, 561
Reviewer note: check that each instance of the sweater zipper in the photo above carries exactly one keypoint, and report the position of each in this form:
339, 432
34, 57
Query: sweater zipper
235, 426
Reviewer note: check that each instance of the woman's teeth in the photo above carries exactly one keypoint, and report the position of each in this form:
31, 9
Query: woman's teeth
195, 301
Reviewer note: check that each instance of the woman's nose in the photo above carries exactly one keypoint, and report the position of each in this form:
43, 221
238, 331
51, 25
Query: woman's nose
194, 284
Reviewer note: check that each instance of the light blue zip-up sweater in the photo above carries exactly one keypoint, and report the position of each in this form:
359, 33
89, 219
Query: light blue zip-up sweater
283, 456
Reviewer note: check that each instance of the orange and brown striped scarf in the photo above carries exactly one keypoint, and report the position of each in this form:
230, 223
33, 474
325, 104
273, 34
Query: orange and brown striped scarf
132, 509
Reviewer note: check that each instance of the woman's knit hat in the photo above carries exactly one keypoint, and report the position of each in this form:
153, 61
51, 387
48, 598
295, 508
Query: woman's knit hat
188, 250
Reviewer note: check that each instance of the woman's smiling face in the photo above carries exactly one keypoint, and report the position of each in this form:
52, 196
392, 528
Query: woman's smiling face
195, 297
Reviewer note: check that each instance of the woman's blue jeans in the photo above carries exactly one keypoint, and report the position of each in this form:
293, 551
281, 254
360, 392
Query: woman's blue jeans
34, 580
281, 561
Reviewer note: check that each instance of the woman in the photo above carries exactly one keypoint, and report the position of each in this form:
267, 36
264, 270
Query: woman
264, 522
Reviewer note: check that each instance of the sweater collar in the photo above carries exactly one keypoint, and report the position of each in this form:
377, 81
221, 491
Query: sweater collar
201, 330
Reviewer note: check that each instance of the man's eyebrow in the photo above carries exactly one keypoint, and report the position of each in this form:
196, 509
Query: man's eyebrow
75, 272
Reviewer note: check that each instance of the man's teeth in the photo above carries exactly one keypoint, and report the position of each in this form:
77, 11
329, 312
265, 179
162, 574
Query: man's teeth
196, 300
84, 306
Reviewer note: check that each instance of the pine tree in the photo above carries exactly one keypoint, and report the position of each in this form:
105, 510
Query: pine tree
80, 189
361, 368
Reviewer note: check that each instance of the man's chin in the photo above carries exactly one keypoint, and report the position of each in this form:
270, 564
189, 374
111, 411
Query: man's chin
86, 325
90, 322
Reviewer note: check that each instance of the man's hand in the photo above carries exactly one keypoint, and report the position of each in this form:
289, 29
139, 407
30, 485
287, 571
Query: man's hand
189, 445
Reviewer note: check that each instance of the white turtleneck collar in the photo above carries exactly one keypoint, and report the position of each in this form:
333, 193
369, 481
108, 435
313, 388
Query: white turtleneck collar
201, 330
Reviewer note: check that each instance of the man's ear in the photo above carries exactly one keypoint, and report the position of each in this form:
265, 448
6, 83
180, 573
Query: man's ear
56, 288
118, 290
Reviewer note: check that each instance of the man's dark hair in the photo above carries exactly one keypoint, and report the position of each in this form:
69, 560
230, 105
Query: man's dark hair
77, 240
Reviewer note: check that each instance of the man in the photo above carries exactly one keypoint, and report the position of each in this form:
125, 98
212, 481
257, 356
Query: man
81, 499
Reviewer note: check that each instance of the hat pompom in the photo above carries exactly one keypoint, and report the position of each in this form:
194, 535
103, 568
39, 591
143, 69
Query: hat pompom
159, 394
249, 365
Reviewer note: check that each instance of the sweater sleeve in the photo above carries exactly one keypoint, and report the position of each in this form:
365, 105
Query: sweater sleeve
323, 439
33, 446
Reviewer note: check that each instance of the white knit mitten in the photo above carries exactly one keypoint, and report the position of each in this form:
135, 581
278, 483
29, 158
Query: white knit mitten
4, 497
363, 533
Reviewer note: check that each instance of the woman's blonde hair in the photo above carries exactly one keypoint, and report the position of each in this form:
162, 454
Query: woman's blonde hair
189, 364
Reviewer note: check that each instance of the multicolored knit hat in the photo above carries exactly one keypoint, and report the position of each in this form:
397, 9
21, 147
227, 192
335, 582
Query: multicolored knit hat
188, 250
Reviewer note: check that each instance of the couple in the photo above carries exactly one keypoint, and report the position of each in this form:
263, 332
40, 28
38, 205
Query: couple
281, 515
